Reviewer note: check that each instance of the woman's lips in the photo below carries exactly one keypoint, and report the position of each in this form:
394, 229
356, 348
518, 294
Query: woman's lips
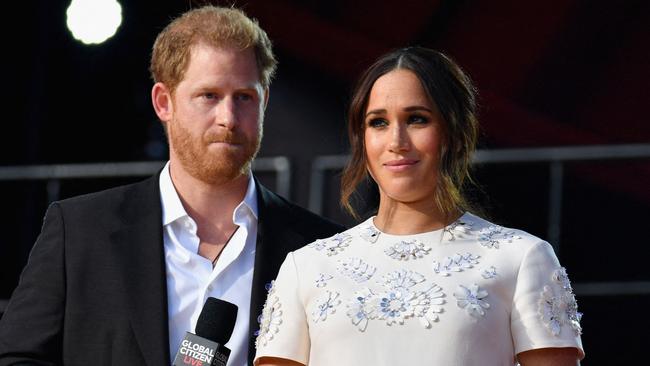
400, 164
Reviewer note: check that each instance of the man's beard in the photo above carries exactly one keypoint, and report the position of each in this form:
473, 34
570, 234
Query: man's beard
213, 166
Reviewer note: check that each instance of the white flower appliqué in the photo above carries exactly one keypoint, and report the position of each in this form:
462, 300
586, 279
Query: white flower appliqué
356, 269
489, 272
326, 304
369, 233
429, 315
322, 279
472, 300
333, 245
457, 263
270, 319
456, 227
361, 308
398, 301
493, 235
405, 250
560, 309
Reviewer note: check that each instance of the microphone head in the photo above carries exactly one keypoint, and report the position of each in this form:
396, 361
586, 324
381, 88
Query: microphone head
217, 320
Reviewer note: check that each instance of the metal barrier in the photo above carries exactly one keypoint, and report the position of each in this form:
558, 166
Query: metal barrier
53, 174
556, 157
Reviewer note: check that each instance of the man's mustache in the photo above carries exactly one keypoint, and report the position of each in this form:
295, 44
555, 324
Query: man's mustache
228, 137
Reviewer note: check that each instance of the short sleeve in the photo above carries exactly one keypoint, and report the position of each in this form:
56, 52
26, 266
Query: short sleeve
544, 312
284, 332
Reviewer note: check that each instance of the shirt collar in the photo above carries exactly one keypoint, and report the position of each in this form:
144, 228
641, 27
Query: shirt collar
250, 201
172, 207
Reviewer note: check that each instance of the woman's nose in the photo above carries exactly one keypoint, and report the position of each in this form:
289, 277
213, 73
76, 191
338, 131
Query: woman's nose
399, 139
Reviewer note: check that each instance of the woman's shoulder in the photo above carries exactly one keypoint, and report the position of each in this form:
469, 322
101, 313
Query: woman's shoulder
493, 235
330, 246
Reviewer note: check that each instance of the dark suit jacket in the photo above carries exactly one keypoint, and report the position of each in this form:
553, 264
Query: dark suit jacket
94, 289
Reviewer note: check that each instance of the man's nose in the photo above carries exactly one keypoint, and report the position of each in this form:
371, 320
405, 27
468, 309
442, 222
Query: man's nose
226, 113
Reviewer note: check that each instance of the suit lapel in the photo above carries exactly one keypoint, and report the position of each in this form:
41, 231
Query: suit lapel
140, 245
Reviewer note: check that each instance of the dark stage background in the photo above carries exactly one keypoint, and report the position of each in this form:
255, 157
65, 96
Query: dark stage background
549, 73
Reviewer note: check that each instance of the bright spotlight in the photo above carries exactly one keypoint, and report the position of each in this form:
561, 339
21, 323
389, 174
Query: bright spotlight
93, 21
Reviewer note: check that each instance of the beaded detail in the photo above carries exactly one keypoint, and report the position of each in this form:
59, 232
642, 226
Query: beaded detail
369, 233
270, 319
489, 272
457, 227
407, 249
356, 269
559, 308
494, 235
399, 300
472, 300
322, 279
457, 263
325, 305
333, 245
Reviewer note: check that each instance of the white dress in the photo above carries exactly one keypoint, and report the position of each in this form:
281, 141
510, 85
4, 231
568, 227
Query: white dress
473, 293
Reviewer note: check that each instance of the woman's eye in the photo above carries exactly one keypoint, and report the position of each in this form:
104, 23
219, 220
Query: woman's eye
377, 122
417, 119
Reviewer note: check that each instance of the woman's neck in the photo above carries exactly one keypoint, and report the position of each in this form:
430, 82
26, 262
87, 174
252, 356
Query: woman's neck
402, 218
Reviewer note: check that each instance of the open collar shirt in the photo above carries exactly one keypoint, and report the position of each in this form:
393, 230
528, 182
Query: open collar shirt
191, 279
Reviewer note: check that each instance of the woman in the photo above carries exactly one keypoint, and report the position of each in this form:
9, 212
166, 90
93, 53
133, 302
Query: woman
424, 282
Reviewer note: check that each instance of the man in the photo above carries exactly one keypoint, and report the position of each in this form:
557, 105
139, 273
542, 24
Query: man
119, 276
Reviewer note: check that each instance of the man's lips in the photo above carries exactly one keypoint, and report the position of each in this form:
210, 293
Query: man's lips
400, 164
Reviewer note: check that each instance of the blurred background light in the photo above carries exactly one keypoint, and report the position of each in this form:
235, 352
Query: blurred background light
93, 21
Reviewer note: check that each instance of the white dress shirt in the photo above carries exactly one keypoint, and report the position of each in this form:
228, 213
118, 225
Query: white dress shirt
191, 278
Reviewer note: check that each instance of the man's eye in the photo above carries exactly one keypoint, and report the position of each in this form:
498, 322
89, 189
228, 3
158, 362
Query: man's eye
209, 96
377, 122
244, 97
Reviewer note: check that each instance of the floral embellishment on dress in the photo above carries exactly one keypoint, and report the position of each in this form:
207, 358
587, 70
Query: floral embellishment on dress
402, 279
356, 269
457, 227
472, 300
333, 245
322, 279
560, 309
560, 276
326, 304
405, 250
369, 233
399, 300
429, 314
270, 319
489, 272
457, 263
493, 235
397, 305
361, 308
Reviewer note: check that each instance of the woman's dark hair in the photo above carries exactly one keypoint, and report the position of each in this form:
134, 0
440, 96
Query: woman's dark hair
452, 92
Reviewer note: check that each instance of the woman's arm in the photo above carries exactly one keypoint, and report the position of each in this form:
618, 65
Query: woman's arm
549, 357
273, 361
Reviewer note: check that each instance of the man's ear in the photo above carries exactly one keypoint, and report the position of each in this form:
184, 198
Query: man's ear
266, 97
161, 98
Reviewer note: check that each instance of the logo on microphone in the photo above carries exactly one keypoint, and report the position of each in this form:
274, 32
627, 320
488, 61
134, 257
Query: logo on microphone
195, 354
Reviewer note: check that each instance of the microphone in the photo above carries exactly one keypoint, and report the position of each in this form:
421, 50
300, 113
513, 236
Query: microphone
213, 330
